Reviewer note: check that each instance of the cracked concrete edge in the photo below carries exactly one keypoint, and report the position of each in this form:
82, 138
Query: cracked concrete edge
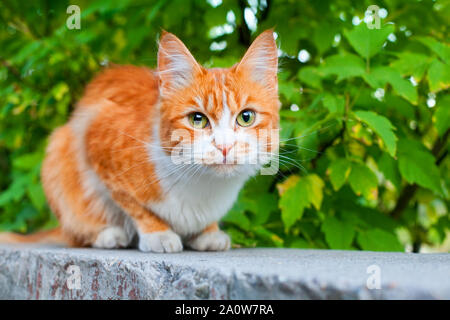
35, 274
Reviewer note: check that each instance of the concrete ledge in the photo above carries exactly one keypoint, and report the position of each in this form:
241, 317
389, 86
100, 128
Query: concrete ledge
28, 272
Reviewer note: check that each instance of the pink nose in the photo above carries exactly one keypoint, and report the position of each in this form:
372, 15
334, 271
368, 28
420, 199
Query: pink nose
225, 148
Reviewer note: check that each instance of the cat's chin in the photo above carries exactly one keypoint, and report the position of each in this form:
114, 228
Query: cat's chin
232, 170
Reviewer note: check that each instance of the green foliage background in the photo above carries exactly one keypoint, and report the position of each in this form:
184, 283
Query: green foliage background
365, 120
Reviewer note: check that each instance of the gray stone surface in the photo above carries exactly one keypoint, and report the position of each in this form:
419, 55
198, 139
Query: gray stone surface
37, 272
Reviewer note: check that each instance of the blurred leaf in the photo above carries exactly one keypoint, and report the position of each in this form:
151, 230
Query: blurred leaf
363, 181
27, 161
334, 104
368, 42
388, 166
417, 165
343, 65
438, 76
270, 236
37, 196
323, 37
237, 216
338, 234
382, 127
339, 171
440, 48
15, 191
310, 76
411, 64
442, 115
378, 240
380, 76
306, 192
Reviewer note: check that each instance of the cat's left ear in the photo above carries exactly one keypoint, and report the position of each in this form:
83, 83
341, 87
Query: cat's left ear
176, 65
260, 62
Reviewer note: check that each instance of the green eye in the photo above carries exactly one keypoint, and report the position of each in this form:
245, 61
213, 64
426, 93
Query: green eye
198, 120
246, 118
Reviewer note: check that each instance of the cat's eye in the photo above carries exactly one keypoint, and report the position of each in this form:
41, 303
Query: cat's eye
198, 120
246, 118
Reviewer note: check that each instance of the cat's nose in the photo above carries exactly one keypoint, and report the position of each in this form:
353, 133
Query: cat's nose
224, 148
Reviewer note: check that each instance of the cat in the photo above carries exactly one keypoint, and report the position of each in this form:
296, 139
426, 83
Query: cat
109, 174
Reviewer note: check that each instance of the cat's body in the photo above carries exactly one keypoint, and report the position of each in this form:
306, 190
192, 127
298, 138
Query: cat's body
109, 174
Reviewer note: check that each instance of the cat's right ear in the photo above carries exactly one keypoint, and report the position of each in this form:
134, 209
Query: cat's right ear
176, 65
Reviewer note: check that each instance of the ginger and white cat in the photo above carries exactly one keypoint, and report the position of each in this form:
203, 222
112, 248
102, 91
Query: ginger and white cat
109, 174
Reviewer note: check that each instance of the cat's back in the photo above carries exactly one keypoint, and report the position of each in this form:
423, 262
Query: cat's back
125, 86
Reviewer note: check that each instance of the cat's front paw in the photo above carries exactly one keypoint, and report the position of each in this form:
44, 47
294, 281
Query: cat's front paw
210, 241
161, 241
111, 238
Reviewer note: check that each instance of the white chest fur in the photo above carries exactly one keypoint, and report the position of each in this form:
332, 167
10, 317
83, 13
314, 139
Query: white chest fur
192, 199
191, 205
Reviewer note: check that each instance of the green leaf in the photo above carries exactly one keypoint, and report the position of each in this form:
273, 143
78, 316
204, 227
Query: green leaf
343, 65
323, 37
287, 128
338, 234
368, 42
268, 235
240, 237
306, 192
442, 49
237, 216
441, 117
27, 161
417, 165
378, 240
308, 145
36, 195
255, 199
363, 181
300, 244
310, 76
380, 76
334, 104
411, 64
339, 171
260, 205
315, 186
365, 218
292, 204
16, 190
438, 76
382, 127
60, 90
388, 166
290, 91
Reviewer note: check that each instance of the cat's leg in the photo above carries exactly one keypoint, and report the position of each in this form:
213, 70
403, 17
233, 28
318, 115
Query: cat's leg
155, 235
86, 218
211, 239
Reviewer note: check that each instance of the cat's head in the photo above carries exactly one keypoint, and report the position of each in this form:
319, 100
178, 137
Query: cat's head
224, 120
